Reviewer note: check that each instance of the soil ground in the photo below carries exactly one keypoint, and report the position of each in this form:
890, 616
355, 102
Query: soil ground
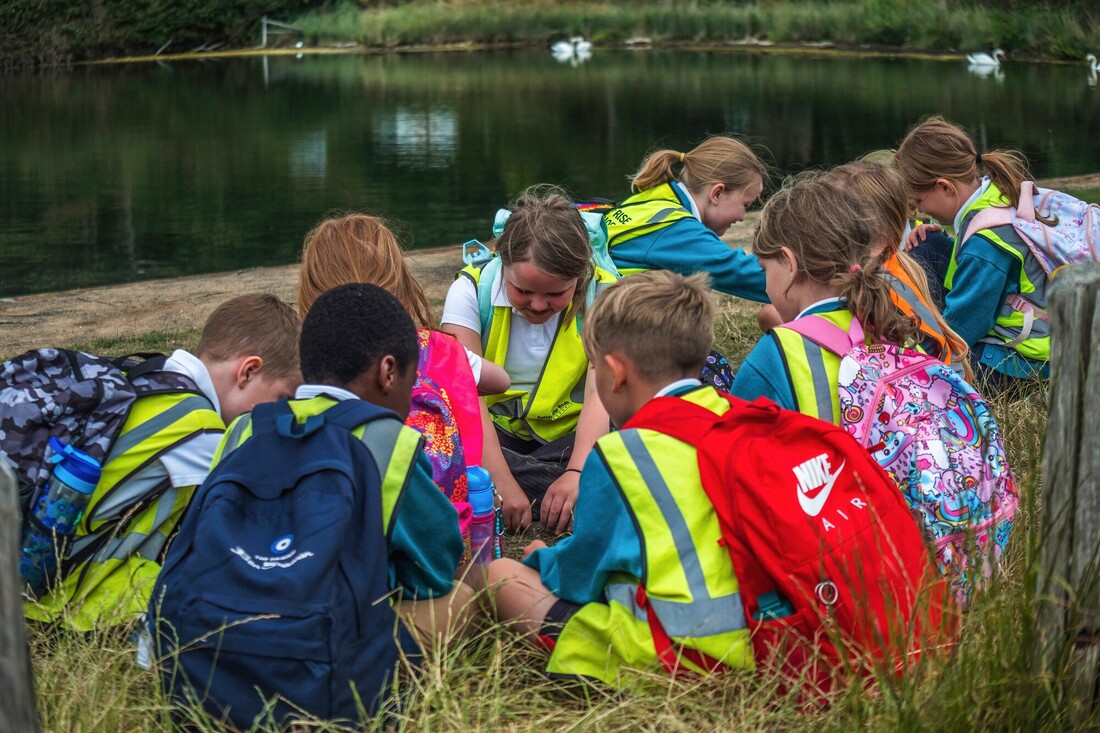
80, 316
177, 304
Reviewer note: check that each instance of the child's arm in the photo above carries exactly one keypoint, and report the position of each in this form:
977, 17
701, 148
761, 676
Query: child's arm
983, 279
688, 247
604, 542
556, 513
763, 374
424, 541
489, 376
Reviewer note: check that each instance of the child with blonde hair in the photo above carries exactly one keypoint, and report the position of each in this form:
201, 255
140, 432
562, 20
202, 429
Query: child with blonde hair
674, 220
535, 297
358, 248
996, 289
647, 336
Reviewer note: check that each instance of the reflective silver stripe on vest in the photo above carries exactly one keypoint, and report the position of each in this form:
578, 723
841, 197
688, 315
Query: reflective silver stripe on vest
149, 545
704, 616
822, 391
154, 425
663, 214
380, 437
233, 439
919, 308
123, 495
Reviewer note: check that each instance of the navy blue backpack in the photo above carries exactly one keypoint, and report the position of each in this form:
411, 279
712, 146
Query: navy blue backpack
273, 597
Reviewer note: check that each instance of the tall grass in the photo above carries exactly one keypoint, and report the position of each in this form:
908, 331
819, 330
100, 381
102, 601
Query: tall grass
1062, 33
493, 681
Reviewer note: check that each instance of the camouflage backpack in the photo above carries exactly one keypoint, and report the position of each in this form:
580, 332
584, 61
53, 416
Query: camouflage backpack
82, 400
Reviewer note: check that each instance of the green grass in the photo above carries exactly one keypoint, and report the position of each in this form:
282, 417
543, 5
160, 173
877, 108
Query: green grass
1038, 31
493, 681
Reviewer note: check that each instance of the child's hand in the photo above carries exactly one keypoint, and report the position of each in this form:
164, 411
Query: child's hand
514, 505
556, 513
919, 234
535, 545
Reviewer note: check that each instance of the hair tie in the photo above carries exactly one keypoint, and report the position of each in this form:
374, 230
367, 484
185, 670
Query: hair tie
978, 159
855, 268
682, 156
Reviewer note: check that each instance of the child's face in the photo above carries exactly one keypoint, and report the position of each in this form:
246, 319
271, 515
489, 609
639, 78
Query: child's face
536, 294
257, 390
777, 280
941, 201
730, 207
616, 403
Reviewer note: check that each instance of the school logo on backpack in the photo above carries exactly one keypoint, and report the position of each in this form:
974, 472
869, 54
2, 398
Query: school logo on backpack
274, 595
935, 437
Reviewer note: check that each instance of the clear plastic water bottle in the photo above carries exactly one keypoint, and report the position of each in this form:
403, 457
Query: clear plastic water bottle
484, 547
55, 513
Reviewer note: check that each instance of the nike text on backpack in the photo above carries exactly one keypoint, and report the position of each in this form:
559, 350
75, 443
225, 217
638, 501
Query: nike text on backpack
275, 592
83, 401
1059, 229
935, 437
832, 569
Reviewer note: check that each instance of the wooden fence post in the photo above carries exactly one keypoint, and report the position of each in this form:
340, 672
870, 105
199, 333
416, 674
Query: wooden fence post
17, 708
1068, 638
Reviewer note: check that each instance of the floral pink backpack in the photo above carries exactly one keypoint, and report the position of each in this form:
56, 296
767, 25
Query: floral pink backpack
936, 438
445, 411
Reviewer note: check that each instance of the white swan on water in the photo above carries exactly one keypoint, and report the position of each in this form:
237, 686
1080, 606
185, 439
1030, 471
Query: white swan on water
1094, 67
986, 59
575, 48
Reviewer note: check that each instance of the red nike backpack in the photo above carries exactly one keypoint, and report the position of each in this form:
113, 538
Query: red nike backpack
834, 575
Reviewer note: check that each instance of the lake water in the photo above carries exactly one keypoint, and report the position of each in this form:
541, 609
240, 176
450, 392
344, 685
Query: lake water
117, 173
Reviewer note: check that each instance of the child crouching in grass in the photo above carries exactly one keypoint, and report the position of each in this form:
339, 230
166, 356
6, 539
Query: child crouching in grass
647, 336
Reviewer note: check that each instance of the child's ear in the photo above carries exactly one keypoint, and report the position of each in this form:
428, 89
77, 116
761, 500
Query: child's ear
945, 186
247, 369
714, 192
787, 260
387, 374
620, 370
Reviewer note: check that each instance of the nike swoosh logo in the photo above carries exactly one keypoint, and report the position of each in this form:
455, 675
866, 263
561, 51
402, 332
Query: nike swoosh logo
814, 506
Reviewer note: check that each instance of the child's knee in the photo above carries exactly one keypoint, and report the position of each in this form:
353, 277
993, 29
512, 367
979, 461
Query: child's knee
504, 570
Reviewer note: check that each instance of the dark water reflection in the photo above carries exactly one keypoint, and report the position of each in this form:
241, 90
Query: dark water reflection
110, 174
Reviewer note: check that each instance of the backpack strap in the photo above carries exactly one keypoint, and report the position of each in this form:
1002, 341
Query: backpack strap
827, 334
277, 417
485, 282
988, 218
151, 362
691, 423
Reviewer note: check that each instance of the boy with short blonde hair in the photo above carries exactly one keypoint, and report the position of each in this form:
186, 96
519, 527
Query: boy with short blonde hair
247, 354
645, 530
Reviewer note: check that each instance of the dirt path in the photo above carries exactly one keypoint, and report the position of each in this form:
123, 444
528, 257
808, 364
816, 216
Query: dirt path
74, 316
77, 316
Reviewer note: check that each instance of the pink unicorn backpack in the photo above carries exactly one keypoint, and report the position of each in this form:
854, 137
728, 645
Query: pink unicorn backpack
936, 438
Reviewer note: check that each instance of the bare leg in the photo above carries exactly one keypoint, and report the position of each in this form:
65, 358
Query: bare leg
522, 601
433, 622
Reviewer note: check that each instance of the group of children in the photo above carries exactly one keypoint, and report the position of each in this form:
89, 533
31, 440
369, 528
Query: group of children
542, 357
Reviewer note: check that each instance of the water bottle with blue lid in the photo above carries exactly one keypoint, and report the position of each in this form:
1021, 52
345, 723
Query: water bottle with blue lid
55, 513
484, 546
